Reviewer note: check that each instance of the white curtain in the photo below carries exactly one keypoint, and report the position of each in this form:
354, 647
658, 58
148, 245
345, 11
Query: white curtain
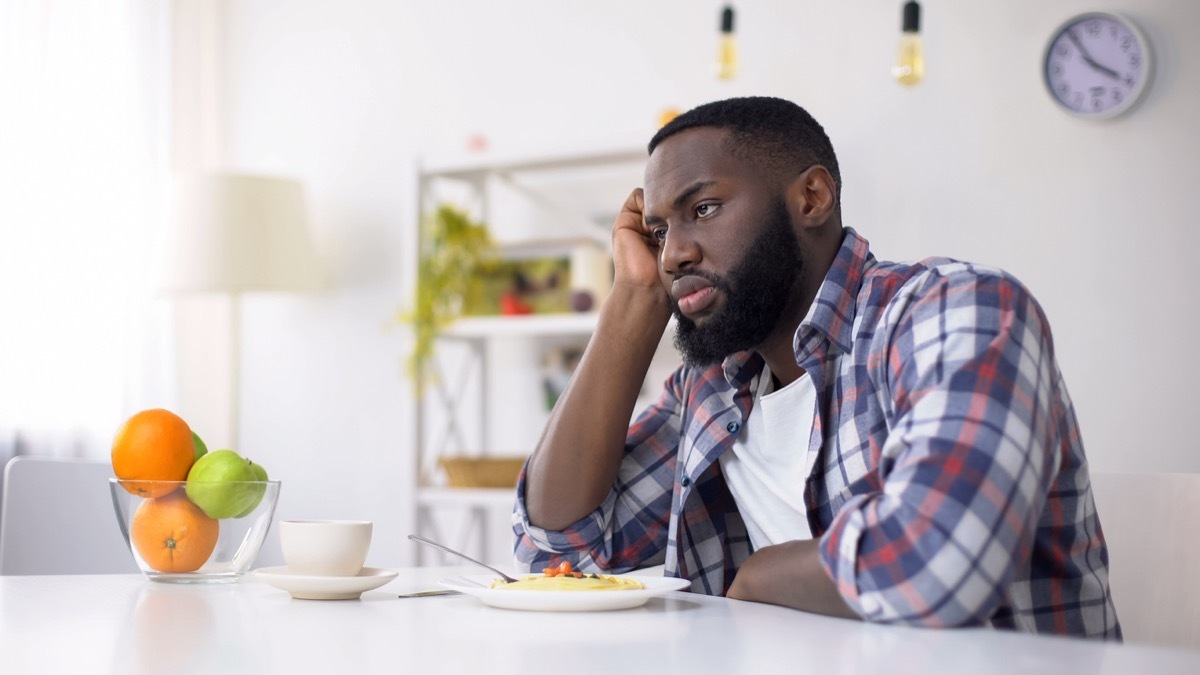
84, 156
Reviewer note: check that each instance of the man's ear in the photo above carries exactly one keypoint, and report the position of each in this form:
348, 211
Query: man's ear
812, 197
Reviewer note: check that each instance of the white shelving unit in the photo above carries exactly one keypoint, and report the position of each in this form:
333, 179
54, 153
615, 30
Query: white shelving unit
529, 325
568, 195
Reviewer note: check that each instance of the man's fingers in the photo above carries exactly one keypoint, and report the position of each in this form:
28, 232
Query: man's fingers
631, 217
633, 204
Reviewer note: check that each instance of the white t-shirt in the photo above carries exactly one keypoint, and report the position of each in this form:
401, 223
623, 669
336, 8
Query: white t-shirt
769, 463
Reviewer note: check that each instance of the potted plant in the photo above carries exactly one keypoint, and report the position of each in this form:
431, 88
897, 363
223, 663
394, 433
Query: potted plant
454, 249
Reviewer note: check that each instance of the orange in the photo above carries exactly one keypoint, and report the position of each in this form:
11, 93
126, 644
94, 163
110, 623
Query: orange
172, 534
153, 445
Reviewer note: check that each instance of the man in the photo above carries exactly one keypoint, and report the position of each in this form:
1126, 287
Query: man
846, 436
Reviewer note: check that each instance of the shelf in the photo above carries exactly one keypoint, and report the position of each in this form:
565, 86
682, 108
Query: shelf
469, 168
495, 497
527, 325
557, 202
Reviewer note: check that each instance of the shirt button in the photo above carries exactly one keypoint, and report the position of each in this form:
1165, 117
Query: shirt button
686, 481
733, 427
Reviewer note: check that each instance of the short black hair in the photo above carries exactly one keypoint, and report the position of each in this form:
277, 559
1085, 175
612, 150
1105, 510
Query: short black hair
772, 131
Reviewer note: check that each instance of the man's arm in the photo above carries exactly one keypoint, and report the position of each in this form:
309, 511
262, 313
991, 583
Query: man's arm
976, 440
791, 575
575, 463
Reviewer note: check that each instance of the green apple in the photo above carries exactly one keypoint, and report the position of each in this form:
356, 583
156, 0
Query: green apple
224, 485
261, 474
201, 448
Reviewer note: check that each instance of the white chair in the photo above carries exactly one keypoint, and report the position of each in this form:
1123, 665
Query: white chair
57, 517
1149, 521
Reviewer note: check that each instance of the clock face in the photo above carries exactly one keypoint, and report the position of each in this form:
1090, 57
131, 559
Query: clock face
1097, 65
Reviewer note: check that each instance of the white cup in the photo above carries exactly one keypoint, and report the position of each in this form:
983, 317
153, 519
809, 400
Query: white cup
327, 548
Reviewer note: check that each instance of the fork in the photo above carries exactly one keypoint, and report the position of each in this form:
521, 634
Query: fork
464, 556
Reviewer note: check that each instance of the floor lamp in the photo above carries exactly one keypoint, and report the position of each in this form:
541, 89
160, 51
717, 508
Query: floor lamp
232, 234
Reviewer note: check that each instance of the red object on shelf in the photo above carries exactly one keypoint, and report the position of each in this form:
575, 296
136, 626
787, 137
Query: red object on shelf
511, 304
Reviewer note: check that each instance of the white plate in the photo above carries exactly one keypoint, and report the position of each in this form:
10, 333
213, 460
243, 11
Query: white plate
307, 587
563, 601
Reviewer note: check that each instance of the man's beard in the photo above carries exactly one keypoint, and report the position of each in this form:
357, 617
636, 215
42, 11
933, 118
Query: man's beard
756, 292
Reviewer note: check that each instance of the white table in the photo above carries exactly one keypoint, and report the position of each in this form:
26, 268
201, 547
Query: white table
126, 624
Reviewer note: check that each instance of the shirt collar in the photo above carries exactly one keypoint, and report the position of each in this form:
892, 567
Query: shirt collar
742, 367
830, 317
832, 312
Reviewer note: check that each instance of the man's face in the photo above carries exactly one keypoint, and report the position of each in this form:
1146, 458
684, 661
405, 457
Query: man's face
756, 292
728, 255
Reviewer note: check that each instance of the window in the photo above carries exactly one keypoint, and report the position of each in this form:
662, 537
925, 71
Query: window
84, 137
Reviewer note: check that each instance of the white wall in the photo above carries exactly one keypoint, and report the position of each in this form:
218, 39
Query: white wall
974, 163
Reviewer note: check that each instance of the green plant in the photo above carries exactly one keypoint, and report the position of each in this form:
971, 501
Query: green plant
454, 249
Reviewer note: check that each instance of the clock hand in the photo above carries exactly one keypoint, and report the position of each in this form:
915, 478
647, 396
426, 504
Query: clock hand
1088, 57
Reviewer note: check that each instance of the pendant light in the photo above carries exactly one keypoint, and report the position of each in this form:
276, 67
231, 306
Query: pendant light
910, 64
727, 61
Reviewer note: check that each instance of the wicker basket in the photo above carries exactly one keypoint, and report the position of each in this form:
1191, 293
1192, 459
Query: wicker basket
482, 472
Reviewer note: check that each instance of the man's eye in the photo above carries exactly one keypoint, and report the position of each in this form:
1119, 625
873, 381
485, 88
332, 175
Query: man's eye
705, 210
659, 233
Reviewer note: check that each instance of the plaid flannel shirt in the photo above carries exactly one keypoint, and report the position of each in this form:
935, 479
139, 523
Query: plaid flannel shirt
950, 489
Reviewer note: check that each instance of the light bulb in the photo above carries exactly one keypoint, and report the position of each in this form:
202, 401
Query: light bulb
727, 61
910, 66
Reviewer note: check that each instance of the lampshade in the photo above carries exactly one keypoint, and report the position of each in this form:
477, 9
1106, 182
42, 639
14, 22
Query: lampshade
235, 232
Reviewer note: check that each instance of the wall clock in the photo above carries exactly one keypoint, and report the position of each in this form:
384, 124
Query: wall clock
1097, 65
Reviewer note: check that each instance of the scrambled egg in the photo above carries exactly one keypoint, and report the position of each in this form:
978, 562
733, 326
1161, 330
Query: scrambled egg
566, 582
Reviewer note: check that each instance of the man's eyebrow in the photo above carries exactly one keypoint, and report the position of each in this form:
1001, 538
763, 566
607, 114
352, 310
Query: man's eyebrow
682, 198
691, 192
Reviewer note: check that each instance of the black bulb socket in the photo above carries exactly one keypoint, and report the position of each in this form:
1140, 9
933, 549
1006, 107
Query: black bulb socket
912, 17
727, 20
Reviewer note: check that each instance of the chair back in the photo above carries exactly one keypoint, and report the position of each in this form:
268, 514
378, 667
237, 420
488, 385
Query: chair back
1149, 521
57, 517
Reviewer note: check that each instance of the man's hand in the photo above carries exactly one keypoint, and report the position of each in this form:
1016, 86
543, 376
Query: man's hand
635, 253
791, 575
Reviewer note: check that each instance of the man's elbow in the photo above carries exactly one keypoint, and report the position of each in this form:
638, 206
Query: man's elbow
929, 605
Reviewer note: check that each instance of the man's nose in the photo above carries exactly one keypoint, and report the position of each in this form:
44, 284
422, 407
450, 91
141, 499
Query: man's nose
679, 252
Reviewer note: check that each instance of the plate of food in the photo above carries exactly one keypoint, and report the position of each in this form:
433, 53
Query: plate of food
554, 591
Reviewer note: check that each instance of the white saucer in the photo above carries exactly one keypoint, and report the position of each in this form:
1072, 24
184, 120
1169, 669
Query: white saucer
307, 587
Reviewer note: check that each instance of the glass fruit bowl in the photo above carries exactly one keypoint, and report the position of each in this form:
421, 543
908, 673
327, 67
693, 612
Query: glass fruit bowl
194, 532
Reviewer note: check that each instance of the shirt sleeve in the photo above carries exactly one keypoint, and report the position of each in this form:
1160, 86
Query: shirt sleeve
971, 392
629, 529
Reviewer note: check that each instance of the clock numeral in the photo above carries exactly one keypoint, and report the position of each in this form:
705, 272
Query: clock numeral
1113, 29
1126, 43
1117, 96
1093, 28
1077, 99
1062, 49
1057, 69
1064, 89
1129, 80
1097, 91
1134, 60
1096, 104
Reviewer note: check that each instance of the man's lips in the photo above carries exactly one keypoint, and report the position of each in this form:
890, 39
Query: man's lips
693, 294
